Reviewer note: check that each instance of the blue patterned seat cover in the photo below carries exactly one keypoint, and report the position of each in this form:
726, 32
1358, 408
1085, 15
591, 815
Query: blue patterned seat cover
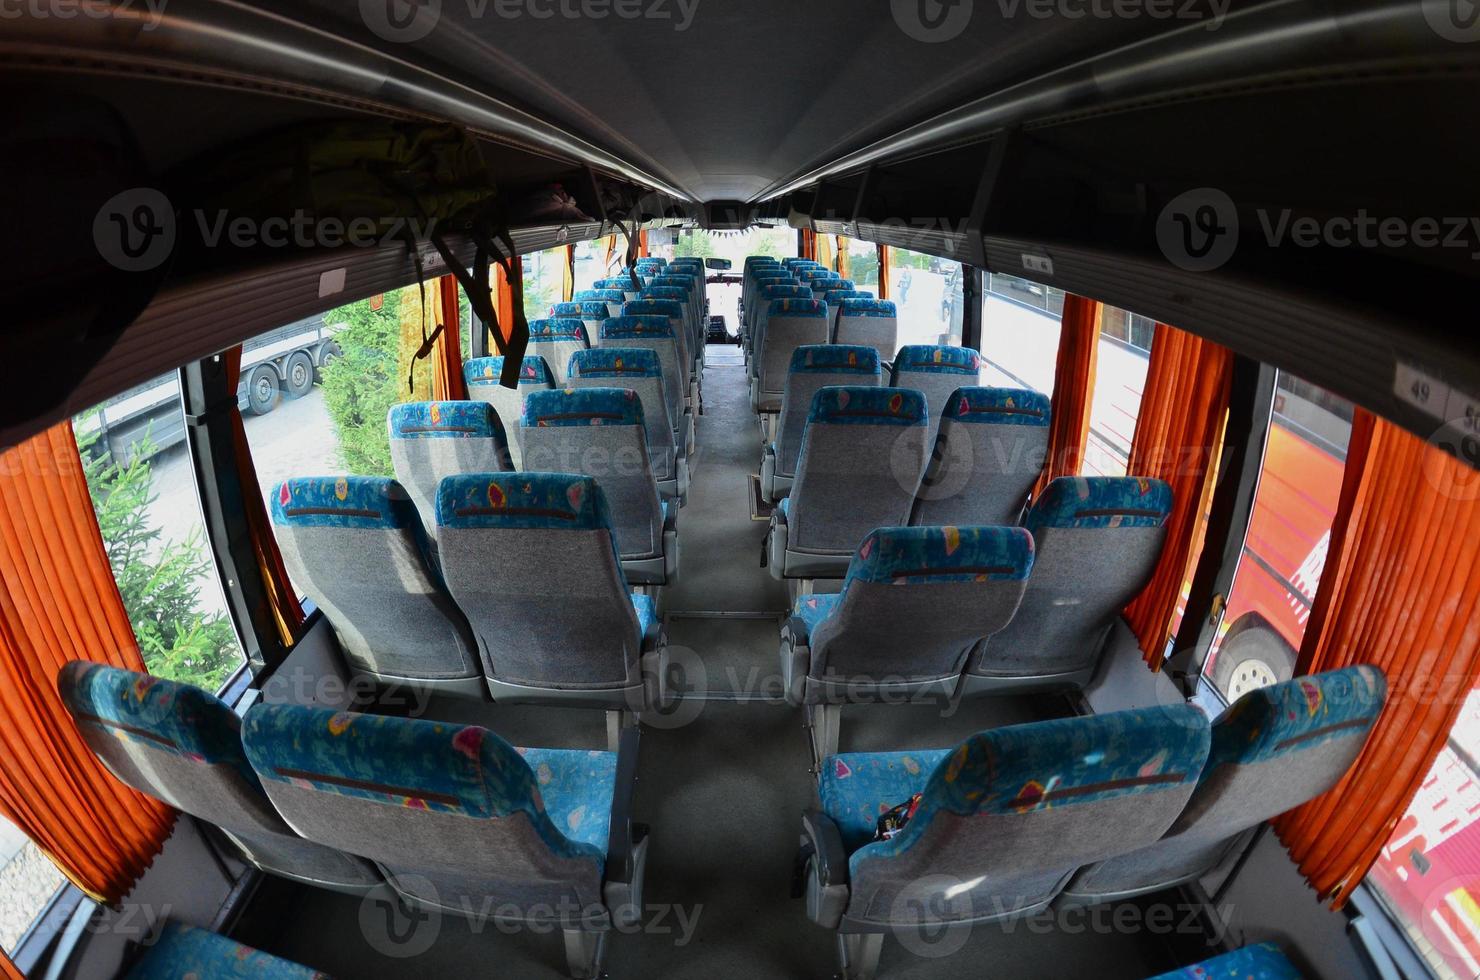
1018, 770
859, 405
438, 766
582, 407
488, 370
624, 284
656, 260
773, 299
1296, 715
446, 420
600, 296
835, 297
186, 953
367, 502
999, 406
919, 555
558, 328
1262, 962
666, 294
1102, 501
630, 327
177, 718
616, 362
522, 500
835, 359
653, 307
793, 263
934, 359
868, 307
797, 308
590, 310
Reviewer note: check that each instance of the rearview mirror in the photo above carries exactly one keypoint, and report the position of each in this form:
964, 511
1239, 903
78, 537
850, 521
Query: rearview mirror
721, 265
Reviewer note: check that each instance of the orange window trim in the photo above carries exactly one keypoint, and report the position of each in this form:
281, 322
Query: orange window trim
884, 271
1073, 390
448, 383
568, 276
503, 299
59, 603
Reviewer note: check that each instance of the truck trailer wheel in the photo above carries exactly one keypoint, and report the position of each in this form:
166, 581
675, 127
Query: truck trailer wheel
262, 390
299, 380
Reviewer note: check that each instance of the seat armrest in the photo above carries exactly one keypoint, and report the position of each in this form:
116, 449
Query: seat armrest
796, 660
777, 542
827, 880
654, 669
670, 515
626, 845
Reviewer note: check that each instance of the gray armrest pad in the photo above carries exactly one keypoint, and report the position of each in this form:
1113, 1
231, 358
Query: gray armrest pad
796, 661
827, 886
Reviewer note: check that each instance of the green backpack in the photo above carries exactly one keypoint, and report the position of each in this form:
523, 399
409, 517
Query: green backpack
390, 180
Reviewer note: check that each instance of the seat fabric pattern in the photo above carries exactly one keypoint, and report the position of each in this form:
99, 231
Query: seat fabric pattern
358, 547
186, 953
433, 440
937, 371
816, 366
1262, 962
613, 298
1011, 812
655, 333
1273, 750
1097, 502
857, 788
582, 408
874, 322
482, 376
987, 457
555, 340
640, 370
584, 311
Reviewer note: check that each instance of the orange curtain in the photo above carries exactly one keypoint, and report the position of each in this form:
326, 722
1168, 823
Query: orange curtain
59, 603
1178, 434
568, 276
883, 271
1400, 591
448, 383
285, 608
824, 252
1073, 389
8, 970
503, 298
807, 244
842, 246
642, 244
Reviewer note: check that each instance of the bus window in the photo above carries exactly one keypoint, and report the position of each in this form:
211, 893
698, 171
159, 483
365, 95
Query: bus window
863, 265
590, 264
1120, 381
927, 291
1428, 875
143, 492
1285, 549
1020, 333
28, 880
543, 277
724, 298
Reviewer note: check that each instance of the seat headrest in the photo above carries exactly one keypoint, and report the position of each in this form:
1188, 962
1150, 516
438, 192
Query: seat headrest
364, 502
766, 282
488, 370
672, 294
407, 762
653, 307
830, 286
601, 296
616, 362
999, 406
586, 310
176, 718
444, 420
582, 408
935, 359
835, 359
560, 328
771, 293
689, 262
676, 277
1296, 715
615, 285
1102, 501
835, 297
859, 405
803, 263
922, 555
633, 327
795, 307
816, 275
868, 306
656, 260
522, 500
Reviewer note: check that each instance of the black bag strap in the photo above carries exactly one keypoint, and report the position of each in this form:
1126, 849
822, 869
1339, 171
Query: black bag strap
428, 343
476, 284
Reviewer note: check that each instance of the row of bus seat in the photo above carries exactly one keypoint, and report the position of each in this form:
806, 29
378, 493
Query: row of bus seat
526, 602
1080, 810
444, 816
1073, 811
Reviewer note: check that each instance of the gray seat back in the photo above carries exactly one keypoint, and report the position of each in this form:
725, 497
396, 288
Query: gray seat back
872, 323
639, 370
1009, 814
673, 311
614, 300
861, 448
1098, 541
600, 433
358, 548
553, 611
654, 333
914, 604
483, 374
991, 449
813, 367
937, 371
1273, 750
178, 744
555, 340
789, 324
764, 303
454, 815
433, 440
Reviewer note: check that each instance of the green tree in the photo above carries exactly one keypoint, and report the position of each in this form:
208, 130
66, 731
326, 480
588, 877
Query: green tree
361, 386
694, 244
160, 581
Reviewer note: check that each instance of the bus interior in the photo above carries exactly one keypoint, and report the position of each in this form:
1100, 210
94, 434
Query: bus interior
682, 488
